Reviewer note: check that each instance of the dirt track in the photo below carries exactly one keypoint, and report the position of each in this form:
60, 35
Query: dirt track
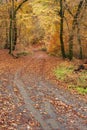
30, 102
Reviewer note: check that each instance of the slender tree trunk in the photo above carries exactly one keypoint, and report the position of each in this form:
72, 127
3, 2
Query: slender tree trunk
61, 29
11, 37
9, 34
13, 28
71, 42
14, 33
6, 36
79, 42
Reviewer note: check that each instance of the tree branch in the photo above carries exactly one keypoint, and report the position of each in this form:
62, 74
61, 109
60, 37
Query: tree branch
67, 8
19, 6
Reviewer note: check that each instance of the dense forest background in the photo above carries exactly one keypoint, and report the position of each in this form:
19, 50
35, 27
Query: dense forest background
43, 64
59, 26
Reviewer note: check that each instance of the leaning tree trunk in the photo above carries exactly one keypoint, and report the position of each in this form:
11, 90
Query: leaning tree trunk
75, 22
78, 32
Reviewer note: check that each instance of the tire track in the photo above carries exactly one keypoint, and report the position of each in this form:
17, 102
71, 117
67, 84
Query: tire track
28, 104
52, 123
78, 107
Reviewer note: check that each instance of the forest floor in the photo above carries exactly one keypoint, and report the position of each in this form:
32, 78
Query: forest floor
31, 98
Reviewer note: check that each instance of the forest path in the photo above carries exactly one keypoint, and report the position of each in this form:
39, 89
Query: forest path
31, 102
53, 108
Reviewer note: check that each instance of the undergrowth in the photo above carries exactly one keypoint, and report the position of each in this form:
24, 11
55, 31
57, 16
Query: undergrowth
23, 54
77, 81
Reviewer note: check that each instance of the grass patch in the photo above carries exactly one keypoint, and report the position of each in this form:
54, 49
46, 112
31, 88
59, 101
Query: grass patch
62, 72
77, 81
81, 90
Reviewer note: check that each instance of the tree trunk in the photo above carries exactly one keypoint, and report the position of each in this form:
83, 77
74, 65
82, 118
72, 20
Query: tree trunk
79, 42
75, 22
61, 29
11, 36
13, 28
71, 42
6, 45
14, 33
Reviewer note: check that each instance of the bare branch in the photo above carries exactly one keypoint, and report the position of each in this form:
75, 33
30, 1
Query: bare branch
67, 8
19, 6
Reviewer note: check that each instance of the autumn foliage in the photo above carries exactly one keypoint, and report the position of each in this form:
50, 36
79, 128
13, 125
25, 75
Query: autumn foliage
38, 22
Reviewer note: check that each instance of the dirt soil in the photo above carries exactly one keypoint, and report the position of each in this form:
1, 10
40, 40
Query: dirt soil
31, 98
